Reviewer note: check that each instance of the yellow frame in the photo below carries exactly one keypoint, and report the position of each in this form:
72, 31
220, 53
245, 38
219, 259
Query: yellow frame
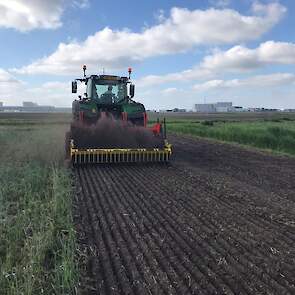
119, 155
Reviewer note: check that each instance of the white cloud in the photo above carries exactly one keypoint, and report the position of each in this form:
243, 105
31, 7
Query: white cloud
240, 58
271, 91
81, 3
52, 93
182, 31
6, 77
194, 73
220, 3
236, 59
160, 15
26, 15
170, 90
260, 81
9, 85
14, 91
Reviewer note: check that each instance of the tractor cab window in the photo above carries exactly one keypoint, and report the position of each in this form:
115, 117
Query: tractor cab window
108, 92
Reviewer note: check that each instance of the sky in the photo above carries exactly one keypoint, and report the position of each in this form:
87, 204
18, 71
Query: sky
181, 52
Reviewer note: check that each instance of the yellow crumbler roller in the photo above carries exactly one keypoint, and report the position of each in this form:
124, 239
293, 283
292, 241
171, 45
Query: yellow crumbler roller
102, 156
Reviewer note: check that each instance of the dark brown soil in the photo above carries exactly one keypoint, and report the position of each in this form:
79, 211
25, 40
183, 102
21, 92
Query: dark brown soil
218, 220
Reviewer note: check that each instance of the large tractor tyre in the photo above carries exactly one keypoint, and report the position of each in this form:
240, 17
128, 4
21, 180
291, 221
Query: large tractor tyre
75, 110
67, 144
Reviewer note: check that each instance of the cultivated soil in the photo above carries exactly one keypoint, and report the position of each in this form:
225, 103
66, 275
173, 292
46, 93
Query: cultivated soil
219, 219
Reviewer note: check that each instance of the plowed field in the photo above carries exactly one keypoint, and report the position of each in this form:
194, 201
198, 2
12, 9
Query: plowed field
218, 220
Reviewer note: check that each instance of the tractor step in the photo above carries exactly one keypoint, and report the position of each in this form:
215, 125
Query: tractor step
103, 156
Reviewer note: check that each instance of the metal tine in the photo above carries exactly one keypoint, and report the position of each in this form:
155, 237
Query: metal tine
120, 156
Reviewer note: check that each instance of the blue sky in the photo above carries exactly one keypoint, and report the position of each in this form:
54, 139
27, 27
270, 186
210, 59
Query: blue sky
182, 52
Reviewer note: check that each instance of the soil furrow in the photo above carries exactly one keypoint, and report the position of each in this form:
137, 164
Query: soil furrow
105, 243
130, 243
262, 170
195, 188
196, 192
176, 231
255, 253
124, 266
149, 228
211, 222
207, 246
88, 252
138, 222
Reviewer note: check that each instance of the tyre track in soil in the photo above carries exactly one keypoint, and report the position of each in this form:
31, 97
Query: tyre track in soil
188, 227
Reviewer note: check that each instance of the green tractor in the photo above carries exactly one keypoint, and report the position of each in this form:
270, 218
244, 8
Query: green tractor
107, 95
107, 108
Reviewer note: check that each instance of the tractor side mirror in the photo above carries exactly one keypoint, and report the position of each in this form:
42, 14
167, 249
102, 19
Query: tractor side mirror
132, 90
74, 86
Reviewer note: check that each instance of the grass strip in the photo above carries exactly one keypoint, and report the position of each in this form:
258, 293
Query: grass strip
37, 249
275, 136
36, 229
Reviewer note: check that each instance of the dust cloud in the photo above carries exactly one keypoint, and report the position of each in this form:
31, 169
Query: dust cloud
111, 133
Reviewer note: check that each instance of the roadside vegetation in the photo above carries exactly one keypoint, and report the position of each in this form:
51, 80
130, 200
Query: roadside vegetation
273, 134
37, 249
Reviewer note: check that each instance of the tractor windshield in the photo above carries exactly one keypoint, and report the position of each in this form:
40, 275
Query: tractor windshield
109, 92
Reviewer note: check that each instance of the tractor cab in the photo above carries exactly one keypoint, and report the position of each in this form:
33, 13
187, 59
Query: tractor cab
106, 89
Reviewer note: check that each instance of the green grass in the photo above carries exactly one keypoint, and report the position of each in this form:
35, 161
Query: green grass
37, 250
235, 116
275, 135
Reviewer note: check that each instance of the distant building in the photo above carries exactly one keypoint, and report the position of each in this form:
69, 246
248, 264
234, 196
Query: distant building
223, 107
263, 110
29, 104
239, 109
177, 110
205, 108
31, 107
220, 107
